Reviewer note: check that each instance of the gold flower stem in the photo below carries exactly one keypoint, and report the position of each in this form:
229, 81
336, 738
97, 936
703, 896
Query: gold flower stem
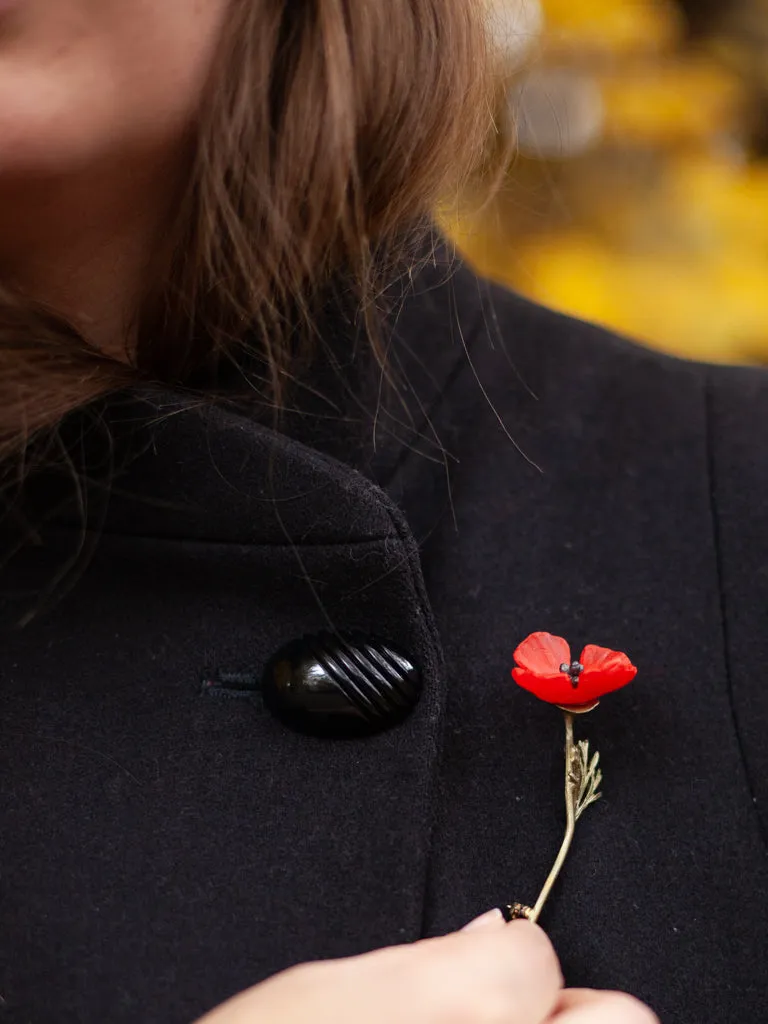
582, 788
572, 783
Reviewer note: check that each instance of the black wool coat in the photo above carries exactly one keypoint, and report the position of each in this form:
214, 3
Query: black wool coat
165, 844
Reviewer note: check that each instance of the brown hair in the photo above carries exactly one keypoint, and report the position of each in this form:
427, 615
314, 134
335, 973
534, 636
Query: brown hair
329, 131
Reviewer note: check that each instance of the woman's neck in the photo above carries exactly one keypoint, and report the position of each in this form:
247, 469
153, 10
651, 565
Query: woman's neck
85, 245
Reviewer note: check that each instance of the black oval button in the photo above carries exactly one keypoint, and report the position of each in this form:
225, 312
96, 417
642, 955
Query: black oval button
347, 684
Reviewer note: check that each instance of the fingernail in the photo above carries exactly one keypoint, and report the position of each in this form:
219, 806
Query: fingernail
489, 919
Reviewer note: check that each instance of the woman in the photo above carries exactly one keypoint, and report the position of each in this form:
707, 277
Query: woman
207, 209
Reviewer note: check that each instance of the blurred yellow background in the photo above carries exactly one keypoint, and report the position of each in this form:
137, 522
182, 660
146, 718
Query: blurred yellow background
638, 196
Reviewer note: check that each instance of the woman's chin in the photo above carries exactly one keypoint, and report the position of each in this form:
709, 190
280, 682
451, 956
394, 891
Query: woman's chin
46, 125
54, 127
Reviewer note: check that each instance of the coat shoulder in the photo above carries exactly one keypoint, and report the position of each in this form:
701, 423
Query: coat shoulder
515, 352
507, 388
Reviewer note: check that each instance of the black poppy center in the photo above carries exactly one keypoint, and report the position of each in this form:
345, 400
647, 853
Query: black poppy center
573, 671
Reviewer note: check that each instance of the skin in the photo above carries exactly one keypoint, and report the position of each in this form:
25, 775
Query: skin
98, 100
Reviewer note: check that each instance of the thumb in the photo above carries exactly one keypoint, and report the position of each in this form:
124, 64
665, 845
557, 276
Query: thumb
490, 919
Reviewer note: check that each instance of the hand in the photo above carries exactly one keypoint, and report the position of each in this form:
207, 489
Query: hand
488, 973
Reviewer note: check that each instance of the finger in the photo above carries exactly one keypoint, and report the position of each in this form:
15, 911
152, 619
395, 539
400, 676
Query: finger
584, 1006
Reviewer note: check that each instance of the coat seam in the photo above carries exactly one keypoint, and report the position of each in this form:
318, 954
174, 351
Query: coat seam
723, 602
428, 413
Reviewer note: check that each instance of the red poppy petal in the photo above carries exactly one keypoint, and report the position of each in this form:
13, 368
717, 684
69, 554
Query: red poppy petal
604, 671
542, 654
554, 689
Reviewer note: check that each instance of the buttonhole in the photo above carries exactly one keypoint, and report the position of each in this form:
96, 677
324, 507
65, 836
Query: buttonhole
232, 684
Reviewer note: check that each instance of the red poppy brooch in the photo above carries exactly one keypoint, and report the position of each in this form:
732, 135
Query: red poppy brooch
545, 667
